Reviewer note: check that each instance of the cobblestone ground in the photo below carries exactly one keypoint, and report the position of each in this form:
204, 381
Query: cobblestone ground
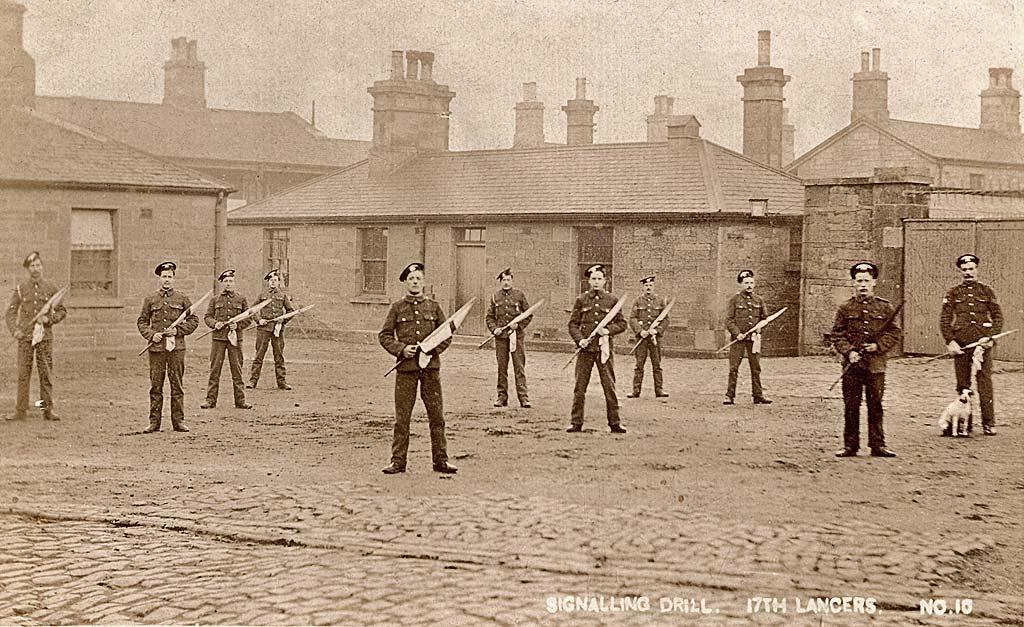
281, 516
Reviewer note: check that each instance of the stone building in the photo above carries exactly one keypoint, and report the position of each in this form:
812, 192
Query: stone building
990, 157
683, 208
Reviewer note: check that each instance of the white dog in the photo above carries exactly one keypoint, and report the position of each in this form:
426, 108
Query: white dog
956, 419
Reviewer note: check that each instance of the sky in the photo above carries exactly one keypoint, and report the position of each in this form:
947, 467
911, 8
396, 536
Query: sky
281, 55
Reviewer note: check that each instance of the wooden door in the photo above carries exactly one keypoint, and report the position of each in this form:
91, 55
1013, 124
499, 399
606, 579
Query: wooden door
471, 266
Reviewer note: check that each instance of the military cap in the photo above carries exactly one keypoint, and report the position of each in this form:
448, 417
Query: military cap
647, 279
507, 271
32, 256
167, 265
226, 274
967, 258
275, 272
594, 268
412, 267
744, 274
864, 266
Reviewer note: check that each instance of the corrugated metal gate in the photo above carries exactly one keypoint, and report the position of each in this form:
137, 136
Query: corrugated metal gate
930, 249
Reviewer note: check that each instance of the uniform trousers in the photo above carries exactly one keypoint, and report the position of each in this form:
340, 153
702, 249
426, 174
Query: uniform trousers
856, 382
962, 368
172, 364
736, 353
235, 360
501, 349
263, 340
647, 348
585, 362
429, 382
43, 352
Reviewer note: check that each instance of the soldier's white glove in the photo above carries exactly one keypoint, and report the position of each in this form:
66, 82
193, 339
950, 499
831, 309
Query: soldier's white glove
497, 332
644, 333
513, 326
157, 337
953, 348
986, 342
854, 357
871, 348
585, 342
409, 351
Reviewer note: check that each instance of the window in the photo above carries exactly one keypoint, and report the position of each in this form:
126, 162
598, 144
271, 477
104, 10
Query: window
92, 252
796, 246
977, 181
275, 251
373, 253
595, 246
758, 207
475, 235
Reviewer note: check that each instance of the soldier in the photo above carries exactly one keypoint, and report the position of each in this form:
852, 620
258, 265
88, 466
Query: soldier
166, 350
971, 313
408, 321
34, 338
271, 334
645, 310
744, 310
865, 330
226, 337
587, 312
506, 304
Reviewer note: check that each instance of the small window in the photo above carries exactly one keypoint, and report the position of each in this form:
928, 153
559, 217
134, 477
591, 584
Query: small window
275, 251
977, 181
92, 253
796, 244
373, 253
595, 245
758, 207
475, 235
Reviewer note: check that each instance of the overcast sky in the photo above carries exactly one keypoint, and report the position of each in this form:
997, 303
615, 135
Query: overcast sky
281, 55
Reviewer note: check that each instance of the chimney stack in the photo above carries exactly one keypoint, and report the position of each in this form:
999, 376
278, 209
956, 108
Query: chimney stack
657, 122
410, 112
184, 76
870, 89
17, 68
1000, 103
529, 131
579, 115
762, 106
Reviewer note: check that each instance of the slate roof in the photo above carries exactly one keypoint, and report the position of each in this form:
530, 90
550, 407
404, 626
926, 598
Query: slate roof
606, 179
203, 133
37, 148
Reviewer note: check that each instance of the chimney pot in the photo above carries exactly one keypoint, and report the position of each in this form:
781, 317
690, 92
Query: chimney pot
876, 59
529, 92
185, 75
581, 89
397, 65
865, 61
764, 47
426, 66
412, 65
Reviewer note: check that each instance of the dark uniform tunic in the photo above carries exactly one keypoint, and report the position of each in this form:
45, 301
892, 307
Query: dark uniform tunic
279, 305
409, 321
645, 310
159, 311
970, 312
742, 313
222, 308
28, 299
587, 312
504, 306
861, 321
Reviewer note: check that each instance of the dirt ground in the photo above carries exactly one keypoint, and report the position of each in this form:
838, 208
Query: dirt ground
763, 464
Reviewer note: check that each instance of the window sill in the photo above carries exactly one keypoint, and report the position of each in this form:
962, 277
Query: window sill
370, 299
93, 302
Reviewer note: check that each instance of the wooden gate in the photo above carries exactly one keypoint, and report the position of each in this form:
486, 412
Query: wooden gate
930, 250
471, 265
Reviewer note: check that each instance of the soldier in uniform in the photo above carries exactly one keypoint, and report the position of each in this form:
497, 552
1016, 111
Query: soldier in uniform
743, 311
409, 321
268, 334
864, 331
28, 299
506, 304
226, 338
587, 312
166, 350
645, 310
971, 313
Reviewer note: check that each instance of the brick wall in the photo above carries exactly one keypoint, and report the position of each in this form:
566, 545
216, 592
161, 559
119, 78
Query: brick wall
148, 228
851, 220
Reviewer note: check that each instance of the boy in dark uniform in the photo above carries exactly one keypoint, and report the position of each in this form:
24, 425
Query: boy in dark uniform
864, 331
506, 304
34, 340
971, 313
166, 350
226, 338
743, 311
645, 310
271, 334
588, 311
409, 321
